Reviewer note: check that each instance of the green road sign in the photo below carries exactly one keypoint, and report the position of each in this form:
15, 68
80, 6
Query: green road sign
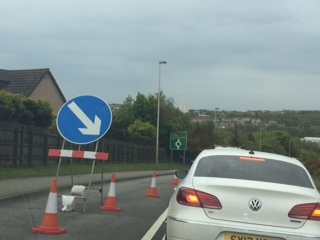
178, 141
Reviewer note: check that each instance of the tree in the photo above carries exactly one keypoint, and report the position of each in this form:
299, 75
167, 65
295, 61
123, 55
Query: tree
144, 109
28, 115
271, 144
282, 137
124, 116
194, 134
235, 141
43, 116
284, 140
7, 109
249, 143
142, 129
18, 108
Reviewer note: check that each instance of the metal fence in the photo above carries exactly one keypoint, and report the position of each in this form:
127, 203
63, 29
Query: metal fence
23, 145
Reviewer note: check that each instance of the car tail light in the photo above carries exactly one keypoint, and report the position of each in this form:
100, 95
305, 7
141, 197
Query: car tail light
306, 211
191, 197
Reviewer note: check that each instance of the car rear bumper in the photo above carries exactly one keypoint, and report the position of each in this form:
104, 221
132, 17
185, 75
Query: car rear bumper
194, 230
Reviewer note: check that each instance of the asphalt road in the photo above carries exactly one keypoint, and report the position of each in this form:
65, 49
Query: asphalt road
138, 213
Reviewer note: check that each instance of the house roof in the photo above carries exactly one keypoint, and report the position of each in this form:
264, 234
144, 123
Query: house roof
24, 81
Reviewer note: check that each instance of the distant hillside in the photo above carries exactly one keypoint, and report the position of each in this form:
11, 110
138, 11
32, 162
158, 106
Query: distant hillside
296, 119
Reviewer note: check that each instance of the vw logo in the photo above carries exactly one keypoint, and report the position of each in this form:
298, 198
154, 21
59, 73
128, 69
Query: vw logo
255, 205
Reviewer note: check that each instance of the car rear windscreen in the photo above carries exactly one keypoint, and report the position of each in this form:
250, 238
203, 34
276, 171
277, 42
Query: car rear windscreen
256, 169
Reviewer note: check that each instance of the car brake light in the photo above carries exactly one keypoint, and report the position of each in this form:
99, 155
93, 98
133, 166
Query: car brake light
191, 197
316, 214
252, 159
306, 211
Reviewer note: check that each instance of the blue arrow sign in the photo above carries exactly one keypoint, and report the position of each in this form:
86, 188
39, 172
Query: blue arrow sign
84, 119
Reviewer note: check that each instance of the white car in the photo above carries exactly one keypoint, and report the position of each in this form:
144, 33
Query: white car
236, 194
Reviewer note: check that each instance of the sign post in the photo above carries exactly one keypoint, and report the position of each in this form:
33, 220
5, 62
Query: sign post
83, 120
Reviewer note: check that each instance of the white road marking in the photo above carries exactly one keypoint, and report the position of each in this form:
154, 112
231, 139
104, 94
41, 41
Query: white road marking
152, 231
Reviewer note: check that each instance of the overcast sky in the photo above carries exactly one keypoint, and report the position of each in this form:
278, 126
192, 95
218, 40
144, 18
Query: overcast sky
234, 55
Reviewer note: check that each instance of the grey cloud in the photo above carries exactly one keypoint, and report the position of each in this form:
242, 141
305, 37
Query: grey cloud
235, 55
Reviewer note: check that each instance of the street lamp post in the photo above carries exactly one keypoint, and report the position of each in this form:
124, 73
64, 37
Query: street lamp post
158, 115
214, 127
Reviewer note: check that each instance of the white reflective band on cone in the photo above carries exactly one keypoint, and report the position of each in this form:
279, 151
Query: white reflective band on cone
112, 190
153, 183
52, 203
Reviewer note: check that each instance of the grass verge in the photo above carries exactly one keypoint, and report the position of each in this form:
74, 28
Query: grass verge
76, 169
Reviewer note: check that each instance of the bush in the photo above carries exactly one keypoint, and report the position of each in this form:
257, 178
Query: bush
18, 108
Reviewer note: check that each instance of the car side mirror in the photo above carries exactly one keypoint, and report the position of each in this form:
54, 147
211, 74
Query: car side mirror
181, 173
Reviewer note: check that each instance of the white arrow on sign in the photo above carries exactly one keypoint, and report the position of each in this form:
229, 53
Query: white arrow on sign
92, 128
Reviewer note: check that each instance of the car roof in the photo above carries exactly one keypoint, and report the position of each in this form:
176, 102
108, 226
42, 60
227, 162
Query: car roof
249, 153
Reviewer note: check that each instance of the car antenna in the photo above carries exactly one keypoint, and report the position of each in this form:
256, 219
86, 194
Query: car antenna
251, 152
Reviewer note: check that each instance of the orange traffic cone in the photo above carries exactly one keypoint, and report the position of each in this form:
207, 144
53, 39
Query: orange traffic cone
153, 189
175, 180
111, 202
50, 222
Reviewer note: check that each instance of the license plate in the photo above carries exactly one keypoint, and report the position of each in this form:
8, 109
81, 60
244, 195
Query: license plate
236, 236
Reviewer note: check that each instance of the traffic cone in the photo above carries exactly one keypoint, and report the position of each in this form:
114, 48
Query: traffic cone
111, 202
50, 222
175, 180
153, 189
